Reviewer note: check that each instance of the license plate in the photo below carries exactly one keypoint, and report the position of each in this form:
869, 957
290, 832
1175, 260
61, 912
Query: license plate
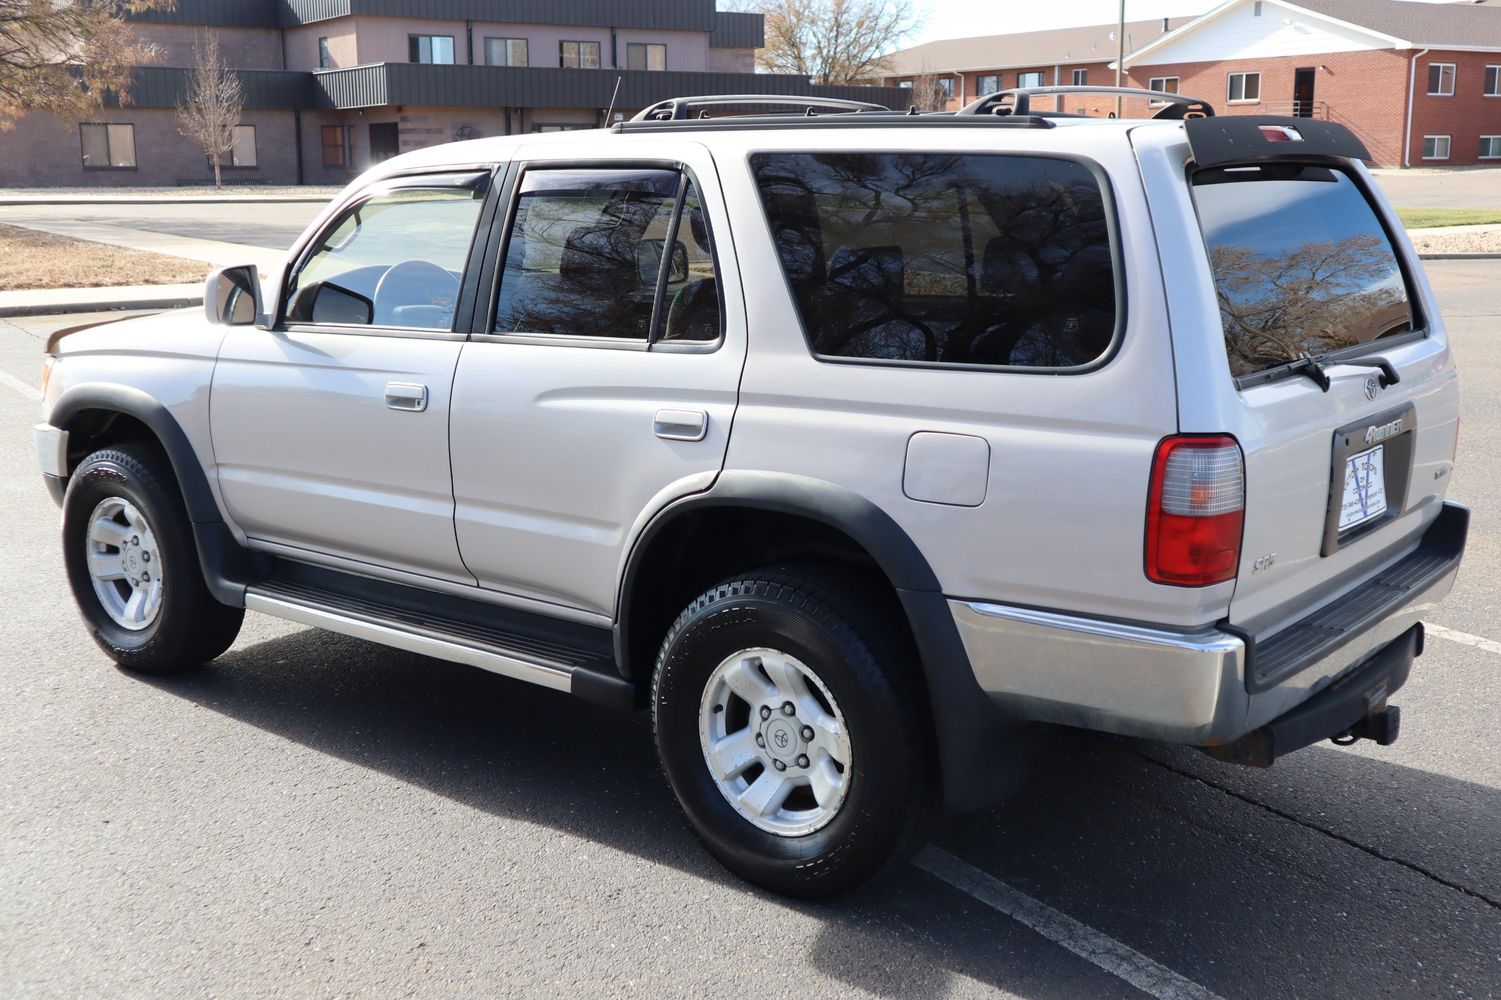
1364, 495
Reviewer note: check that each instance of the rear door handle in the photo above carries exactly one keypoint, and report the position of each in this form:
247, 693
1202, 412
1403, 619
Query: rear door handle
408, 396
681, 425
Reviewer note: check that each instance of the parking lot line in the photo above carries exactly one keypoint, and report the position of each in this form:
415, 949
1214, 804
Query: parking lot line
1464, 638
29, 391
1095, 947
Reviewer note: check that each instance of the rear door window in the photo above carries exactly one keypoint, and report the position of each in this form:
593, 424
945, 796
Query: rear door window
1301, 264
944, 258
623, 254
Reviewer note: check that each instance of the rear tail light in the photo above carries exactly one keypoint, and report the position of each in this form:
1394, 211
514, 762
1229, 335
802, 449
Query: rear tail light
1195, 511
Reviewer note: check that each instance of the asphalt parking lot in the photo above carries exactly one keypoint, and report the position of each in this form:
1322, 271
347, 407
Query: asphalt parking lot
316, 816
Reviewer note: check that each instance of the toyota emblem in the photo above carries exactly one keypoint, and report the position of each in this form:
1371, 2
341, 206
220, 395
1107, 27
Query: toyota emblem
1372, 386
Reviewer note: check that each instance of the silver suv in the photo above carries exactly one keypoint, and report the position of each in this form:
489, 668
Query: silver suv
852, 443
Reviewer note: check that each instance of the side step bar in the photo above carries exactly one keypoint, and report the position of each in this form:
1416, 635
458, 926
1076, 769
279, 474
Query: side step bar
443, 640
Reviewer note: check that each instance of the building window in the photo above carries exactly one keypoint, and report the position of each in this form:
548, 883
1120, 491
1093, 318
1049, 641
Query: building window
506, 52
640, 55
1243, 87
1435, 147
1163, 85
335, 146
1029, 80
1493, 81
1441, 79
1490, 147
325, 60
578, 55
946, 86
242, 154
904, 84
430, 49
1081, 78
988, 84
108, 147
560, 127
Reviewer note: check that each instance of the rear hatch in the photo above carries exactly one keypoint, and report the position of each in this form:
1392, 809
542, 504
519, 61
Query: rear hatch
1340, 389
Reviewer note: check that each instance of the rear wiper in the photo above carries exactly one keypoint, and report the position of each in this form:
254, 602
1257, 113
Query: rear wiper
1389, 374
1306, 365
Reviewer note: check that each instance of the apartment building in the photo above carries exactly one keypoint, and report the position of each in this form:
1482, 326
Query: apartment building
1420, 83
333, 86
966, 68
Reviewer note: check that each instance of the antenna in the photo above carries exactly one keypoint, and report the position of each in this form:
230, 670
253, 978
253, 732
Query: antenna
611, 113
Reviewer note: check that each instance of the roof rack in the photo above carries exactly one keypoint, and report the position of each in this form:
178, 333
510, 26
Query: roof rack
678, 109
863, 120
1178, 105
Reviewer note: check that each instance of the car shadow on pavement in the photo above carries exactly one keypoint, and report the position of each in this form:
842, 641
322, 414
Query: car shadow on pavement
1125, 838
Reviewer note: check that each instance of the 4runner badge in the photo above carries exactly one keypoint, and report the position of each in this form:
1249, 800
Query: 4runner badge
1375, 433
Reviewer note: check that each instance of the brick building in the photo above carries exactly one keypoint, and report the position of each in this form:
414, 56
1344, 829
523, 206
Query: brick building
1420, 83
967, 68
334, 85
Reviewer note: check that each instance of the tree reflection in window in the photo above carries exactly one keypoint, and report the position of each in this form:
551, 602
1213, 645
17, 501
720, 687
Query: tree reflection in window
1300, 262
951, 258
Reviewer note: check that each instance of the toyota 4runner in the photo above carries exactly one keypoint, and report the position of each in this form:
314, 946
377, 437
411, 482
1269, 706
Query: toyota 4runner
852, 443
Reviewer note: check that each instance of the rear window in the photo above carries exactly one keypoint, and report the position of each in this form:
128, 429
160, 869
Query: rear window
943, 258
1301, 264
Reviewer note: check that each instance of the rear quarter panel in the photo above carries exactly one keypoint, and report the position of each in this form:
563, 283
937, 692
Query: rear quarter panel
1061, 522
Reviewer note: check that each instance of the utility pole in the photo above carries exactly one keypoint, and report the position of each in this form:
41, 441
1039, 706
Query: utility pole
1120, 54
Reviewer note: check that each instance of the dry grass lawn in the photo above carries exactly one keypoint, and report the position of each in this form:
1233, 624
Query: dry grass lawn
29, 259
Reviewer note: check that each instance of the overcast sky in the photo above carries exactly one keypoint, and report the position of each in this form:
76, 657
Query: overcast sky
958, 18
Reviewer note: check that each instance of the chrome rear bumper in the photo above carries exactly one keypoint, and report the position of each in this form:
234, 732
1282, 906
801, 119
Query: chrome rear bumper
1197, 687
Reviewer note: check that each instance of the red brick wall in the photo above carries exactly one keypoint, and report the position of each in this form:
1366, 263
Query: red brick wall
1465, 117
1363, 90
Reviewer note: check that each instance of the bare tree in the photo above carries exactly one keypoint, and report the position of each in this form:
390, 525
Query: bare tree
216, 100
928, 93
67, 58
832, 41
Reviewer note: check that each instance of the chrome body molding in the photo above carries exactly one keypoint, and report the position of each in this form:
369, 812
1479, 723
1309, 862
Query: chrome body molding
1162, 684
51, 445
546, 674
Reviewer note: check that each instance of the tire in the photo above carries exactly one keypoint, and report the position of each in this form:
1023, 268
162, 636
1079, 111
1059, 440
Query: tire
827, 630
177, 624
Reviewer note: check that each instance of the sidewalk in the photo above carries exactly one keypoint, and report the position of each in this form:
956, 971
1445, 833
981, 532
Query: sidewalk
51, 301
215, 252
164, 196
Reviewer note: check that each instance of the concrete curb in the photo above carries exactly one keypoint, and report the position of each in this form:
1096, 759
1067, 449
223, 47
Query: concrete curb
321, 199
1459, 256
63, 308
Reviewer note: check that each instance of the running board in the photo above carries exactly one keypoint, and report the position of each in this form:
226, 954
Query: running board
429, 635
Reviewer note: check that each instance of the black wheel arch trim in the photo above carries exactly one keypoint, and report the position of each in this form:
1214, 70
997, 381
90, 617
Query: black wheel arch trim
228, 568
971, 734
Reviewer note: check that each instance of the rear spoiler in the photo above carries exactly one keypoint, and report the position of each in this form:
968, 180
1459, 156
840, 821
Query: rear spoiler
1248, 139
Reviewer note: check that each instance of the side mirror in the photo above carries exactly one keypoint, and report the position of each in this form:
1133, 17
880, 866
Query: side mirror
232, 296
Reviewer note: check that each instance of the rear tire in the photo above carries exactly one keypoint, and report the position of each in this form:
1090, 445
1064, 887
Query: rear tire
133, 566
792, 728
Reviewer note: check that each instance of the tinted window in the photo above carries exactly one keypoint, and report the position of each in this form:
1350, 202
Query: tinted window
588, 252
1301, 264
394, 260
948, 258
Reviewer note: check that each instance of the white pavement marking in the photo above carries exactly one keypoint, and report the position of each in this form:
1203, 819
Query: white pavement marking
1463, 638
29, 391
1093, 946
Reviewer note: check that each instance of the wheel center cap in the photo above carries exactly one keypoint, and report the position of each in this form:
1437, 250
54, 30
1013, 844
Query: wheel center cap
133, 561
782, 740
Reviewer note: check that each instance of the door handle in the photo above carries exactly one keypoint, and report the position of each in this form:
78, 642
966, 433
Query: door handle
681, 425
407, 396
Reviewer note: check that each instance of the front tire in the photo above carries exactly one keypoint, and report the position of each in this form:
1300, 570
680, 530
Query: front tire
791, 726
133, 566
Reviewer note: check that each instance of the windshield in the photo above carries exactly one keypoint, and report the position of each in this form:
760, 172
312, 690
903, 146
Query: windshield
1301, 264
